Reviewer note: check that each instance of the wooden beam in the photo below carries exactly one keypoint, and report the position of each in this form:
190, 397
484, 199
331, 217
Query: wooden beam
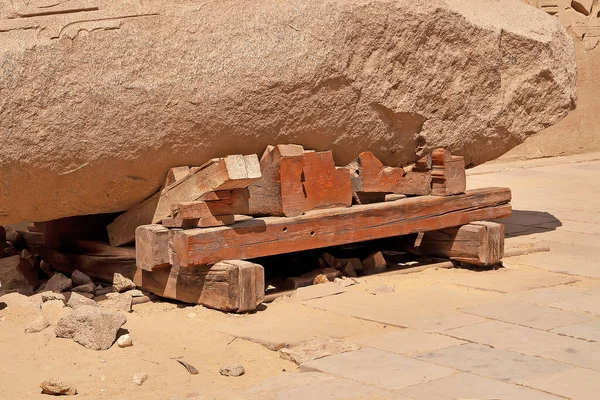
478, 243
447, 173
235, 286
227, 173
279, 191
266, 236
151, 247
176, 174
369, 175
204, 222
325, 186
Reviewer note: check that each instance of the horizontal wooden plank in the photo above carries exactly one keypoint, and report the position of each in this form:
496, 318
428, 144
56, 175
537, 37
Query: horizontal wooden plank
260, 237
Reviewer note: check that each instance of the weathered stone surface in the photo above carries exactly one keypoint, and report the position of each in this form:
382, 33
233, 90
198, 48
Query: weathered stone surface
47, 296
395, 77
139, 378
37, 325
54, 310
87, 288
58, 283
57, 388
91, 327
117, 302
77, 300
232, 370
122, 284
315, 349
79, 278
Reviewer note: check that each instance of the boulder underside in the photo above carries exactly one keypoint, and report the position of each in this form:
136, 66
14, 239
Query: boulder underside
99, 99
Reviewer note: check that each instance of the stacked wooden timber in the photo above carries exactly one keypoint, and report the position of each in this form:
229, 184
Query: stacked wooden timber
196, 238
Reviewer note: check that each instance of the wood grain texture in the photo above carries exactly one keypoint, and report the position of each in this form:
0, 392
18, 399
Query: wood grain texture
479, 243
227, 173
235, 286
279, 191
151, 247
325, 186
260, 237
448, 175
369, 175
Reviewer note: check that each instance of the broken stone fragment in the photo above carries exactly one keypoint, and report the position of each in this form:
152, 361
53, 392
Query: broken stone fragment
58, 283
86, 288
47, 296
117, 302
139, 378
57, 388
37, 325
374, 264
122, 284
232, 370
77, 300
79, 278
91, 327
320, 279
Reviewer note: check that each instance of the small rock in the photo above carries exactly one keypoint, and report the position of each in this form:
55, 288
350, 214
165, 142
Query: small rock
232, 370
56, 388
139, 378
58, 283
87, 288
121, 283
91, 327
47, 269
47, 296
381, 289
37, 325
374, 264
79, 278
124, 341
118, 302
191, 315
77, 300
87, 295
320, 279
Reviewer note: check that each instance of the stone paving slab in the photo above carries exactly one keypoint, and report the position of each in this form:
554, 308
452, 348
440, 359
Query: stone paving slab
545, 296
533, 342
499, 364
527, 314
577, 384
315, 385
468, 386
378, 368
395, 311
580, 303
562, 263
407, 341
586, 331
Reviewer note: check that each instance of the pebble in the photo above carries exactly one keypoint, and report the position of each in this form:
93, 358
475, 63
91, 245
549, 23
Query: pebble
125, 341
56, 388
139, 378
232, 370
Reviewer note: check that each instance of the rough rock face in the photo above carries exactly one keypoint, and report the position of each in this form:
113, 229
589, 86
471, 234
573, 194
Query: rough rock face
91, 327
98, 99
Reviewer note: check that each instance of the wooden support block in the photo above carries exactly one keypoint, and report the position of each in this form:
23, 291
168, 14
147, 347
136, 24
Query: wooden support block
98, 265
369, 175
374, 264
235, 286
478, 243
231, 172
151, 247
205, 222
279, 191
325, 186
259, 237
416, 183
447, 174
176, 174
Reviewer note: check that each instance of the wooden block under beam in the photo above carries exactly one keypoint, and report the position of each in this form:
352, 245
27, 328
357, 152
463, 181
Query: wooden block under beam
448, 175
266, 236
279, 191
325, 186
227, 173
478, 243
234, 286
151, 247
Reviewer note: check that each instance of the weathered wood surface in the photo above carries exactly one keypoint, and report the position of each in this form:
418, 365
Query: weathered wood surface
98, 266
204, 222
152, 247
371, 176
478, 243
260, 237
227, 173
236, 286
325, 186
447, 173
279, 191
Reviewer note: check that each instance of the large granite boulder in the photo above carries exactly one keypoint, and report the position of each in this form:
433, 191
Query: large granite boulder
99, 98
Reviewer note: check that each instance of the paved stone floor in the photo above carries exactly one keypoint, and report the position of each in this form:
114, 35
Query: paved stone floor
528, 331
